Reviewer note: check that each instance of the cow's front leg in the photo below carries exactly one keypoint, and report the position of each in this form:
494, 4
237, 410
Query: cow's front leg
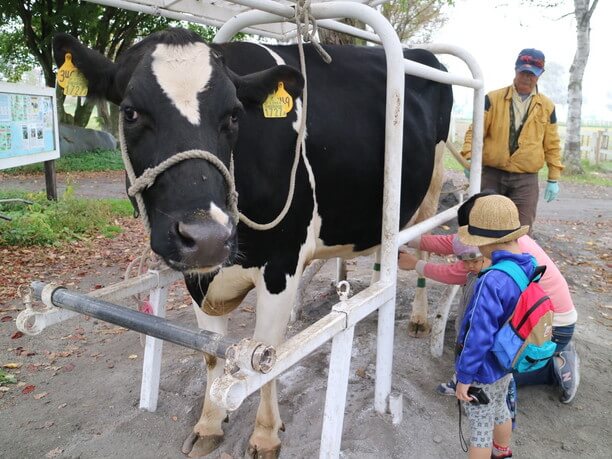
207, 434
273, 311
418, 326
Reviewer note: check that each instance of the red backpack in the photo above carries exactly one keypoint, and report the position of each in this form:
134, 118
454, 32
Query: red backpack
524, 342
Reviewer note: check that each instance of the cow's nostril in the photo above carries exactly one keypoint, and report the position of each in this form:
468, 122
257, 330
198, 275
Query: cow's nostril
185, 232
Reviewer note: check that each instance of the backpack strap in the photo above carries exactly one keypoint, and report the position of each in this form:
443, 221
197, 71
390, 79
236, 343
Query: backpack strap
514, 271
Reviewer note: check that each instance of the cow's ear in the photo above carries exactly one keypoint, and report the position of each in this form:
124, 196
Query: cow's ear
97, 69
256, 87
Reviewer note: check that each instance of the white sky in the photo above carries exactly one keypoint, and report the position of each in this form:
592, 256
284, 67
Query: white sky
494, 31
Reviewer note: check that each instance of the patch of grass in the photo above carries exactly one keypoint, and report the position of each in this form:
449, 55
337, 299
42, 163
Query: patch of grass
91, 161
593, 174
53, 222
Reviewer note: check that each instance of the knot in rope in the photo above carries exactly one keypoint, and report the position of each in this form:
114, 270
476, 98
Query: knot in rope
303, 21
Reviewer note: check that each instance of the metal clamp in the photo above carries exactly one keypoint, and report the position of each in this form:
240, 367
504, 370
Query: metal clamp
252, 355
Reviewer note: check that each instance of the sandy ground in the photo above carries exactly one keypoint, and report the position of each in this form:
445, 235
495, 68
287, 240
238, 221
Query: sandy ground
86, 374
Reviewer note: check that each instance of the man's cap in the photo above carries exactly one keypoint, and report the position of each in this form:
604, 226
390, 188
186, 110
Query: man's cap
530, 60
493, 219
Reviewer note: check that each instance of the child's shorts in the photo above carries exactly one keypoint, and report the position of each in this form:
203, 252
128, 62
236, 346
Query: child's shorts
483, 418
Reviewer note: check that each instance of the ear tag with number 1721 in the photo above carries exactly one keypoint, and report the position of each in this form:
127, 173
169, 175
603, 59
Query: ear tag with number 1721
278, 104
71, 79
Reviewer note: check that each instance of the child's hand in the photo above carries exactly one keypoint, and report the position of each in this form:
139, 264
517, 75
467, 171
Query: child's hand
407, 261
461, 392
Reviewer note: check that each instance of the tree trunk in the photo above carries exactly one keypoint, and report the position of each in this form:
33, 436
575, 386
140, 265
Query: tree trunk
331, 37
104, 117
83, 112
583, 46
114, 119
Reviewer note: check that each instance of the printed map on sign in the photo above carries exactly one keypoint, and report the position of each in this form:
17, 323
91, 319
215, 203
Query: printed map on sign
26, 124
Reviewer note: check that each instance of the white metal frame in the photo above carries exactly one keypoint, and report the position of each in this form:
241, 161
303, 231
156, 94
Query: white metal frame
338, 325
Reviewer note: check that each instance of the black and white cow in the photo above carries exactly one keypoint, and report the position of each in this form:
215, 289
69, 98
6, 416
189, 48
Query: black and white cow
177, 93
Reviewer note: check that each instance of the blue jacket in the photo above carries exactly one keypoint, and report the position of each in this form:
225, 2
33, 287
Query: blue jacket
495, 295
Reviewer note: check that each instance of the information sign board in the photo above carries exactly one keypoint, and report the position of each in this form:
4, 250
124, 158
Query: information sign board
28, 125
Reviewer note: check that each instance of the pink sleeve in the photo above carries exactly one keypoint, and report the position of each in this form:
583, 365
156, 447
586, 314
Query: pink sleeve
441, 244
447, 273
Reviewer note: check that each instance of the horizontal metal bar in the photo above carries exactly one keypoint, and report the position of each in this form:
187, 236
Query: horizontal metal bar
199, 340
230, 390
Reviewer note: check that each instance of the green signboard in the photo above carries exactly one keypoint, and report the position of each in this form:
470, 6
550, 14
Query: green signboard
28, 125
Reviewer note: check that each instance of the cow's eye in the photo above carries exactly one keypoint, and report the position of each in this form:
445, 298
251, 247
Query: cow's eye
130, 114
230, 123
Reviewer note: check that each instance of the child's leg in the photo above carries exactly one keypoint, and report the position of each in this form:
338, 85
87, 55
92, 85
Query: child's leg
502, 432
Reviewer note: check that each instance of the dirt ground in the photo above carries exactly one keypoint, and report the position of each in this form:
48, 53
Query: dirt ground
79, 381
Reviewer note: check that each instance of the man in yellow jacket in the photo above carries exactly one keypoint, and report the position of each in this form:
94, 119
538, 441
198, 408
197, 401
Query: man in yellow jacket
520, 135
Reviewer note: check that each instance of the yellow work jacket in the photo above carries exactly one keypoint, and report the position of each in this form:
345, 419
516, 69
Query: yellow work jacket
538, 141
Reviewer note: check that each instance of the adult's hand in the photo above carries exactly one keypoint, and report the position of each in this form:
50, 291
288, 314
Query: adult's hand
407, 261
552, 190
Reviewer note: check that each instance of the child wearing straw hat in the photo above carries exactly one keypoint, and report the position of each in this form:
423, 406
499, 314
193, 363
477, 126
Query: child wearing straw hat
493, 227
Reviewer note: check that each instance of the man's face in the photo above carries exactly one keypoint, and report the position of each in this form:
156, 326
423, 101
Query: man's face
525, 82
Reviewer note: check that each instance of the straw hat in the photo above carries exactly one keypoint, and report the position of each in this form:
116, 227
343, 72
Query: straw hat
493, 219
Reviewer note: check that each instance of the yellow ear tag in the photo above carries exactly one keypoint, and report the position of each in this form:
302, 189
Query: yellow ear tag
71, 79
278, 104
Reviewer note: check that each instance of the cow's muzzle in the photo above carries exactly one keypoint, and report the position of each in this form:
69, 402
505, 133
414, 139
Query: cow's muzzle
201, 246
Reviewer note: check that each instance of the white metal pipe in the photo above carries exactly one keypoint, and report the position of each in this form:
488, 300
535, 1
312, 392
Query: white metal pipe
477, 142
425, 71
243, 21
269, 6
478, 113
335, 398
427, 225
151, 361
230, 390
34, 321
394, 131
179, 16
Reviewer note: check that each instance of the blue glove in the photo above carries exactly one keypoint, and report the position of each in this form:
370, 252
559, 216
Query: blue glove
466, 172
552, 190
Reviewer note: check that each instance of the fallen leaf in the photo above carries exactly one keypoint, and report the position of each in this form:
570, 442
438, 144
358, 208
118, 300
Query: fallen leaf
6, 319
174, 418
27, 389
12, 365
63, 405
67, 368
16, 335
132, 356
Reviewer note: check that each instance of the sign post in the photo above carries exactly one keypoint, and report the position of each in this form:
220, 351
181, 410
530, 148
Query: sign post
29, 130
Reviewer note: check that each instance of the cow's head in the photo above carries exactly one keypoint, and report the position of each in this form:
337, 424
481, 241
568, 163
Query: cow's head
176, 94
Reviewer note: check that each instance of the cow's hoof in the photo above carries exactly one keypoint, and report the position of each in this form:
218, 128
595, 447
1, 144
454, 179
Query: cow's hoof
418, 329
259, 453
196, 446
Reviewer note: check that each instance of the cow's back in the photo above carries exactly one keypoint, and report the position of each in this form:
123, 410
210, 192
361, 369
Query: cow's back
345, 134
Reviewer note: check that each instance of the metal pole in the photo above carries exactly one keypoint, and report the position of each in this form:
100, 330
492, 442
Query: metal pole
199, 340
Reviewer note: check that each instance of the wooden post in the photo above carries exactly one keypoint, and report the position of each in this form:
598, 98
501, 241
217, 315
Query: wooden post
598, 147
50, 180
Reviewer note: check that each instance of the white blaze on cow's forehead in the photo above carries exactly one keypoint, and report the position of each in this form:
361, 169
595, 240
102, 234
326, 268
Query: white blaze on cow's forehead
218, 215
183, 71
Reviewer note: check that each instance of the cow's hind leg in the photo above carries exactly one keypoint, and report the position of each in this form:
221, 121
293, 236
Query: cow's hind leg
207, 434
273, 311
419, 325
